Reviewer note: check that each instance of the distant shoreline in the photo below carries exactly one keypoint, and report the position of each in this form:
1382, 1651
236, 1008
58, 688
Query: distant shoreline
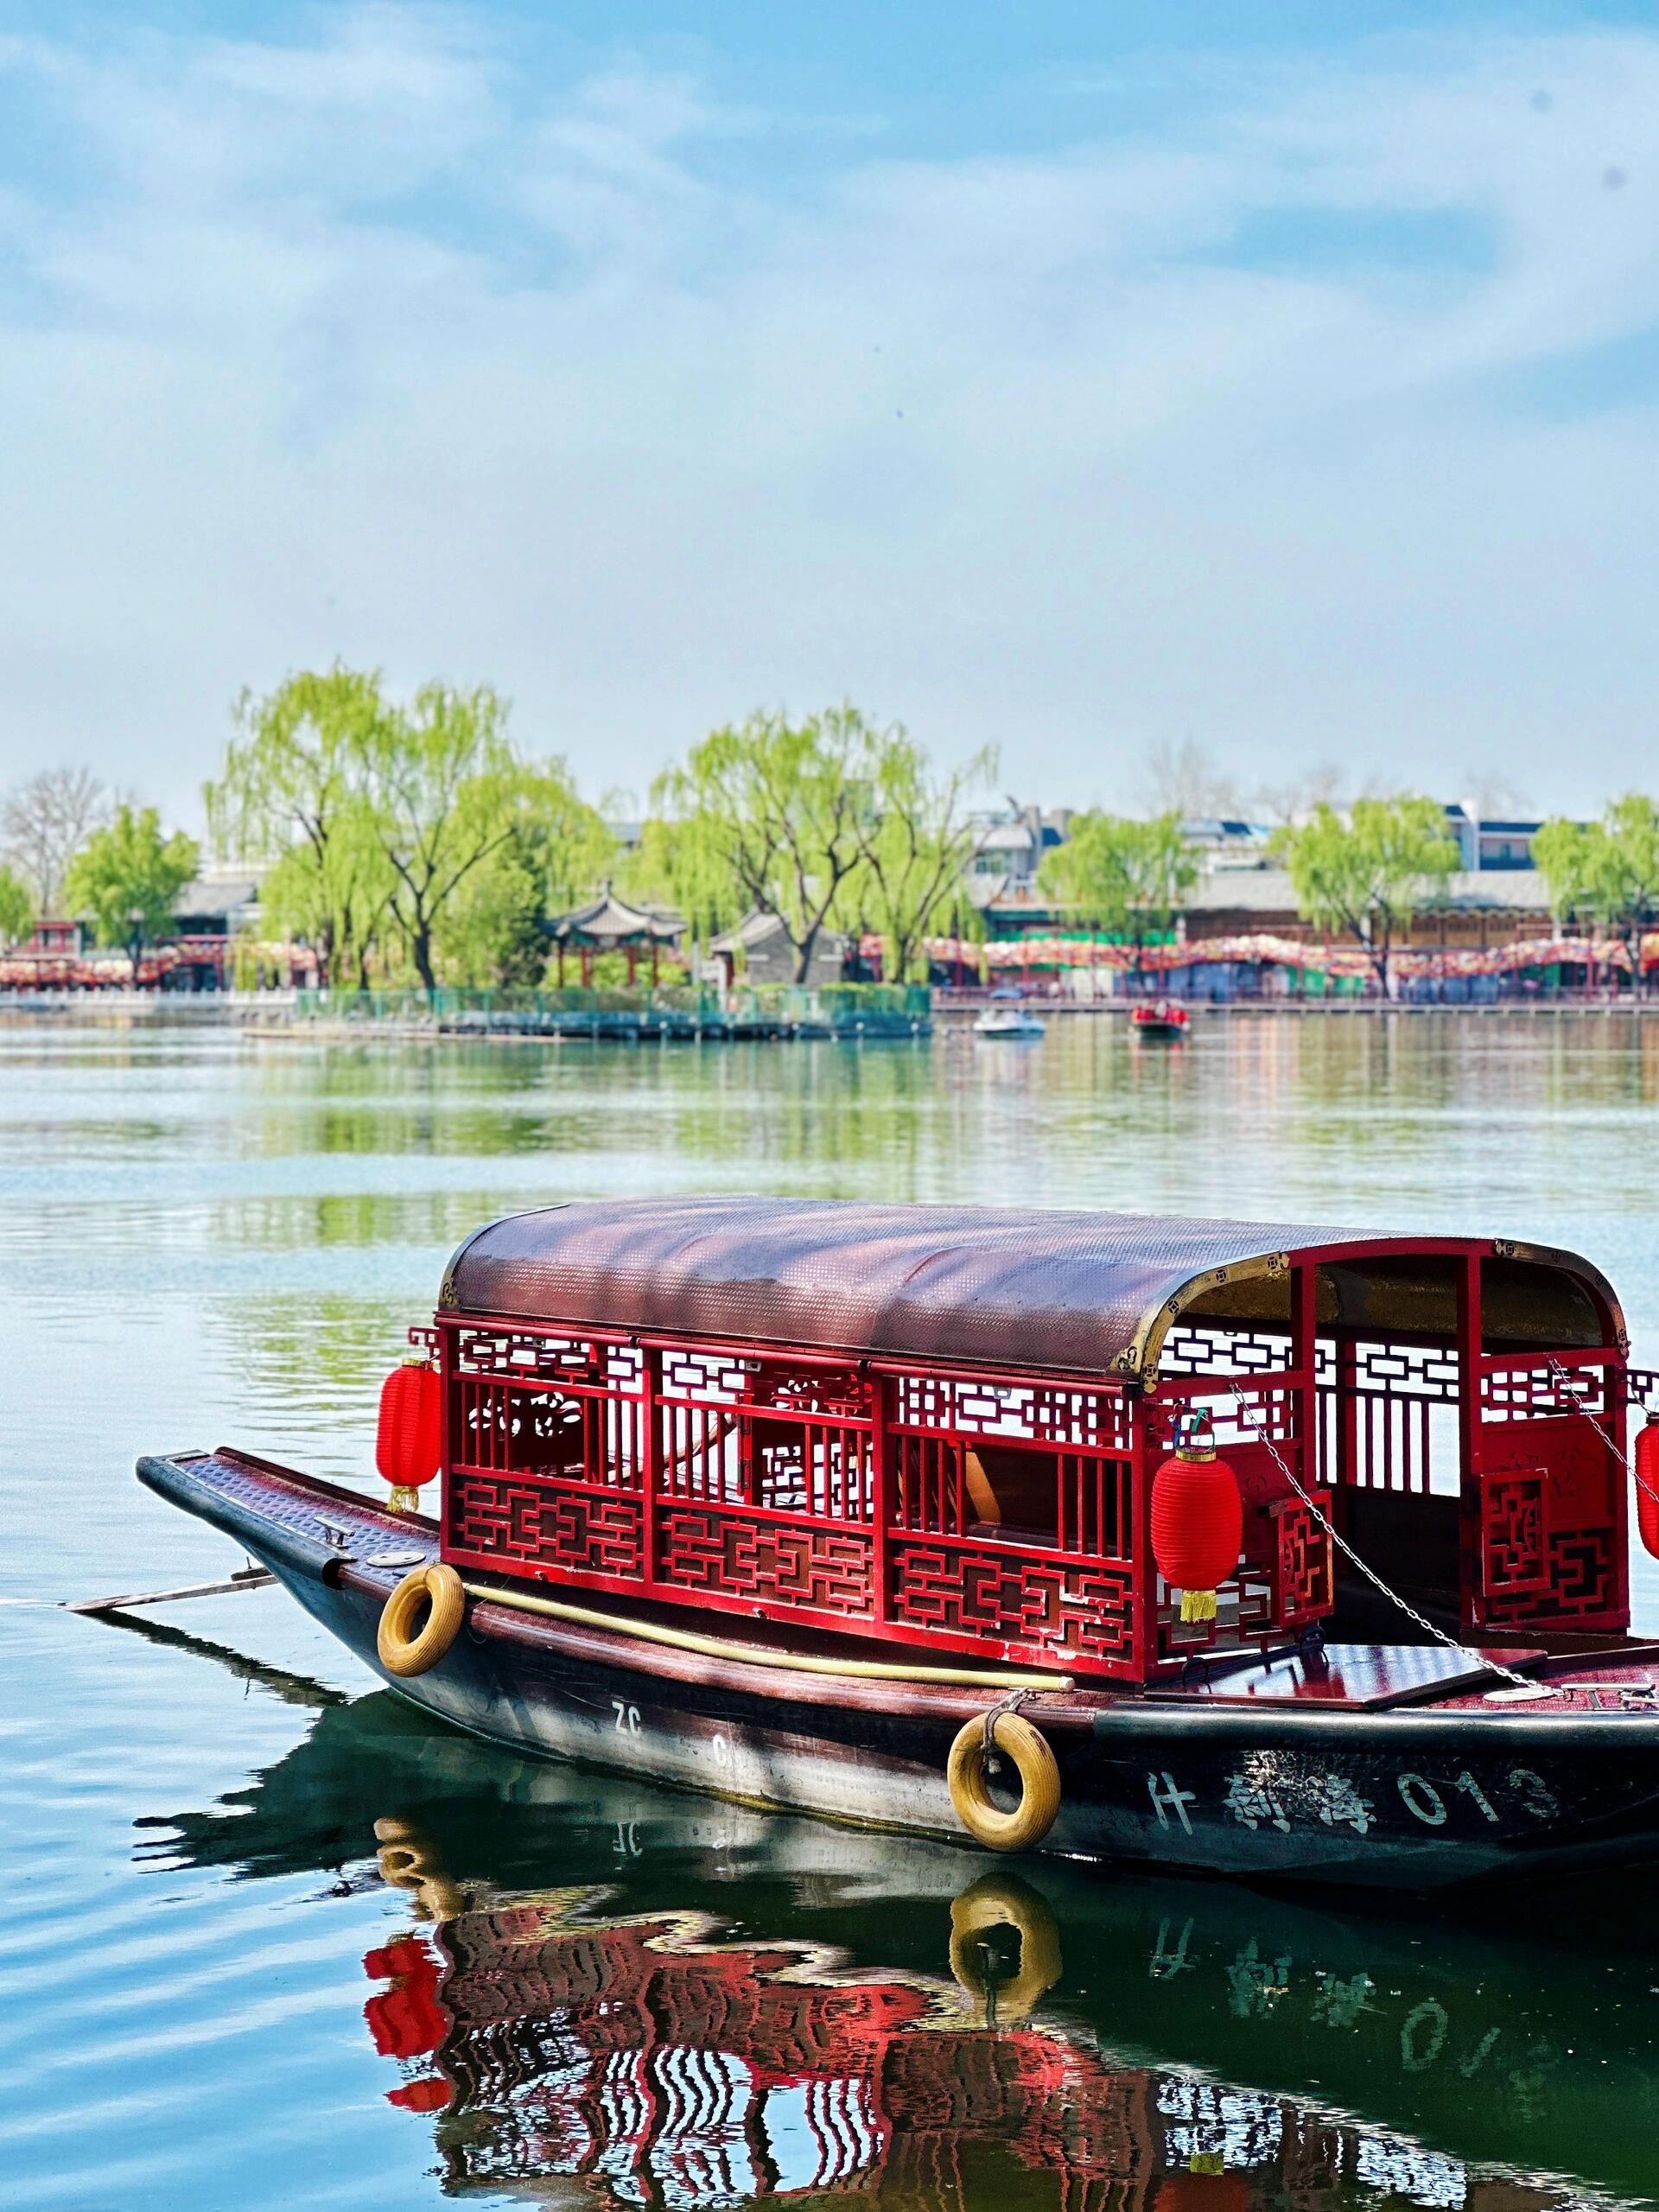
266, 1016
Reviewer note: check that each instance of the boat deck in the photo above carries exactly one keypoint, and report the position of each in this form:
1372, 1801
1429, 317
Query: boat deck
1368, 1677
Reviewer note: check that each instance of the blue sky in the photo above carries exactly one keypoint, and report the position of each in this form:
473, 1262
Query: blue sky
1088, 380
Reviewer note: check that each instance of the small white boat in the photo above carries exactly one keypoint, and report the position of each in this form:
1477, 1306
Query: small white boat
1007, 1016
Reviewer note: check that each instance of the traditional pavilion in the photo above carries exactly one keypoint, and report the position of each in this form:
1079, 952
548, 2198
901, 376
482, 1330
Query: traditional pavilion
612, 924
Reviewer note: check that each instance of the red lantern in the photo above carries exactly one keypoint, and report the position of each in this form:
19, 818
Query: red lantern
1646, 1484
1198, 1522
408, 1446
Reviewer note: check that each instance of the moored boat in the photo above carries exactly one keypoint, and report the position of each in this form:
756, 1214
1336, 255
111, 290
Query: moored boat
1038, 1529
1008, 1016
1161, 1021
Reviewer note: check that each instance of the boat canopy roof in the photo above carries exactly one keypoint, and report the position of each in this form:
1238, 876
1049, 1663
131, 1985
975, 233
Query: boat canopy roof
996, 1287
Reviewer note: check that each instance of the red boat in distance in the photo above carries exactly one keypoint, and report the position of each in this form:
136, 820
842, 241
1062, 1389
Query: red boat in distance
1161, 1021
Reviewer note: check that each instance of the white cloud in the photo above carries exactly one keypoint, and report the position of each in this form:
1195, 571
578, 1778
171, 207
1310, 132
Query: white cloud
382, 347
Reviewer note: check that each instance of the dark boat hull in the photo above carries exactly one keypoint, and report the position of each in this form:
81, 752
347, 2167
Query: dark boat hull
1412, 1796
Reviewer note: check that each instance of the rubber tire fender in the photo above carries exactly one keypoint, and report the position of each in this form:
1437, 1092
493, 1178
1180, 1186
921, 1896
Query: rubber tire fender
403, 1650
1026, 1746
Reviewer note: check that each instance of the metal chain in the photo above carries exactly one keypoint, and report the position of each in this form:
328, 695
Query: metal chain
1480, 1658
1571, 1403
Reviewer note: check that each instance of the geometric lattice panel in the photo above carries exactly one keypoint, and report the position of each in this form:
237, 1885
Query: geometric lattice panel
1581, 1582
1303, 1586
537, 1524
1515, 1544
962, 1591
703, 1549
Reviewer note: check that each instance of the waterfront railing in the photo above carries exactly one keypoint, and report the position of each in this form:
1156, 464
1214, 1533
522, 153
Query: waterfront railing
682, 1010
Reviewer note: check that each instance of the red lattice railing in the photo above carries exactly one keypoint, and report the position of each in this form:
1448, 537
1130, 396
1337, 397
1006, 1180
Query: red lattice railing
999, 1516
988, 1514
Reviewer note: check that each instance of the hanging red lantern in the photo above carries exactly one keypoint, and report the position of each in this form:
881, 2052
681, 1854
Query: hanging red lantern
408, 1446
1198, 1520
1646, 1484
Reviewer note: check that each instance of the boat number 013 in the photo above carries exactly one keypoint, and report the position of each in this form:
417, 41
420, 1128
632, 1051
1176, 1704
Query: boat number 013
1259, 1800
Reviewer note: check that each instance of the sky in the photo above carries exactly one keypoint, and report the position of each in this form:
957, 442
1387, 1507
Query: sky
1088, 380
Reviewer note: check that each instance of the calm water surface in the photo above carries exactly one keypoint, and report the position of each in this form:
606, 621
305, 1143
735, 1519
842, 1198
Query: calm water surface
211, 1996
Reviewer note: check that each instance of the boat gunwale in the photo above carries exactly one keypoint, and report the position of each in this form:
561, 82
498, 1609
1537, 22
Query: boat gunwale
1109, 1713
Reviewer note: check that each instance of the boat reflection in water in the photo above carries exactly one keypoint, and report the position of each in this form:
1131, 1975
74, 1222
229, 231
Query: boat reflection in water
715, 2007
670, 2066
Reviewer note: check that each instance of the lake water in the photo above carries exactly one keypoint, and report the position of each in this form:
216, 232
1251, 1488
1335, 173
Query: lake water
210, 1995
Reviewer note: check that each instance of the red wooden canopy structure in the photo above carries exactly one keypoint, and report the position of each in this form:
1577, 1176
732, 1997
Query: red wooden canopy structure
938, 1426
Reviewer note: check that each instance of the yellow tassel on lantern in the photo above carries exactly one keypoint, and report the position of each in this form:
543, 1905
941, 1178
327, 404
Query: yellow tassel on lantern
1197, 1604
405, 1498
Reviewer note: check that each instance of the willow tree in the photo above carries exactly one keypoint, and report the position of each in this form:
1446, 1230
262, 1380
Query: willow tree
338, 899
126, 877
914, 839
778, 807
292, 794
17, 909
1121, 875
1367, 873
1607, 871
497, 927
448, 795
679, 862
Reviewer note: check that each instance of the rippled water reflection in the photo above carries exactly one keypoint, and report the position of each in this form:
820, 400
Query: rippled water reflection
628, 1996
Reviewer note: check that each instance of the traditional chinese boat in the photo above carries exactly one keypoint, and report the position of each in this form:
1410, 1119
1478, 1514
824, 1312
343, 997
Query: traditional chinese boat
1274, 1550
1160, 1021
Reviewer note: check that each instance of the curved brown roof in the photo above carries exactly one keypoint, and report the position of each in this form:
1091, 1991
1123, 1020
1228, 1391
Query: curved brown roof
987, 1286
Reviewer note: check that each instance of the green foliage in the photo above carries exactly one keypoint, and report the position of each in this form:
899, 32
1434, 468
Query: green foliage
496, 931
126, 877
1121, 875
292, 792
1367, 875
775, 804
414, 831
17, 915
1606, 871
448, 795
830, 821
679, 863
914, 844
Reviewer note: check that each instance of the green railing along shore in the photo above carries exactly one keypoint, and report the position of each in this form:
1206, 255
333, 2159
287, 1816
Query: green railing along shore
848, 1010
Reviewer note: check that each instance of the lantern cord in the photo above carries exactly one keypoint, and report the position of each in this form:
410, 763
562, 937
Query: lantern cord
1248, 1412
